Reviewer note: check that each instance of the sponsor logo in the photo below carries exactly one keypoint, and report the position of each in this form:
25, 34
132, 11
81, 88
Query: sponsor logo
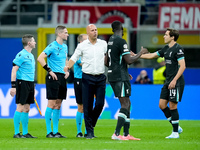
127, 91
170, 54
125, 50
180, 52
168, 61
110, 43
125, 46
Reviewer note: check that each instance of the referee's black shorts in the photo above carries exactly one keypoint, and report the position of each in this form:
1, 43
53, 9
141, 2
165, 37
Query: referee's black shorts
56, 89
78, 90
24, 92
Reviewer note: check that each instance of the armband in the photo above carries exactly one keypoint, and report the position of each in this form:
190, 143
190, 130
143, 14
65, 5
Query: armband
13, 84
47, 68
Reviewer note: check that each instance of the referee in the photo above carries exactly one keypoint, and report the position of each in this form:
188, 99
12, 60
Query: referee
56, 88
78, 90
24, 71
92, 52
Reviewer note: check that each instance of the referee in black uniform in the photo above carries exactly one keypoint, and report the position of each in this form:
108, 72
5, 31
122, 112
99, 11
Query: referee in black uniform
117, 58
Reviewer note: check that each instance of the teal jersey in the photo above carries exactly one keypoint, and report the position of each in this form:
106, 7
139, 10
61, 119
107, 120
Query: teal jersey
78, 69
26, 63
56, 56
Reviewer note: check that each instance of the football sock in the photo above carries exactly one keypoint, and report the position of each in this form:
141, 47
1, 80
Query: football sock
167, 113
175, 120
56, 117
48, 119
79, 120
16, 120
85, 131
127, 125
85, 127
122, 116
24, 120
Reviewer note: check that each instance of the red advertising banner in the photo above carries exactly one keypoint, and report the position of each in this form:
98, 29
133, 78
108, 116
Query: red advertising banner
179, 15
86, 13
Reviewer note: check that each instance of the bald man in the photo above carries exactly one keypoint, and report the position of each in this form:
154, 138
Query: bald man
92, 52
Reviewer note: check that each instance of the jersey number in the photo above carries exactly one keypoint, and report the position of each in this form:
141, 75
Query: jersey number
172, 92
109, 51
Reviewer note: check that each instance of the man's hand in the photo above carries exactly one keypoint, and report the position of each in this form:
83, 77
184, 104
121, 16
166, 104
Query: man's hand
66, 75
132, 53
144, 50
66, 68
53, 75
130, 77
13, 92
172, 85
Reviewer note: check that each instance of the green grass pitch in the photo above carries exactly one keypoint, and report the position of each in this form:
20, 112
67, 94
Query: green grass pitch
151, 132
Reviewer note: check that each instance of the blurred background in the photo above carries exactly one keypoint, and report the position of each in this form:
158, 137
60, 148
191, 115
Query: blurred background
144, 21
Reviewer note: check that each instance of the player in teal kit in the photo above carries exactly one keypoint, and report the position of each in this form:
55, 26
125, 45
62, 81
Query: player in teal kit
78, 90
24, 71
56, 54
174, 84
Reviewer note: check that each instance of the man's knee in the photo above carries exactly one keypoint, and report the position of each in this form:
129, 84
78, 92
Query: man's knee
51, 104
20, 107
80, 108
125, 102
162, 104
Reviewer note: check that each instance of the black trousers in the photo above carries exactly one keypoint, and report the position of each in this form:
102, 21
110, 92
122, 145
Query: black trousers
93, 85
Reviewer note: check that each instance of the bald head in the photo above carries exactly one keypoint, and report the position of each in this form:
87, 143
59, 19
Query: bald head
89, 27
92, 32
82, 37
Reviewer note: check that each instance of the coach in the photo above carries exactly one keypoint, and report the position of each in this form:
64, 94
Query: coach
92, 52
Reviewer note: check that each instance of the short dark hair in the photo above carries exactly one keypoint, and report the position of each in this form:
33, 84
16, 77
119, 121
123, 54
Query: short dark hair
116, 26
26, 38
173, 32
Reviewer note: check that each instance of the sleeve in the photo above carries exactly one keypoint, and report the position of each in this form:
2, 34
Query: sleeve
124, 47
180, 54
160, 52
19, 59
105, 46
48, 49
76, 54
67, 52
